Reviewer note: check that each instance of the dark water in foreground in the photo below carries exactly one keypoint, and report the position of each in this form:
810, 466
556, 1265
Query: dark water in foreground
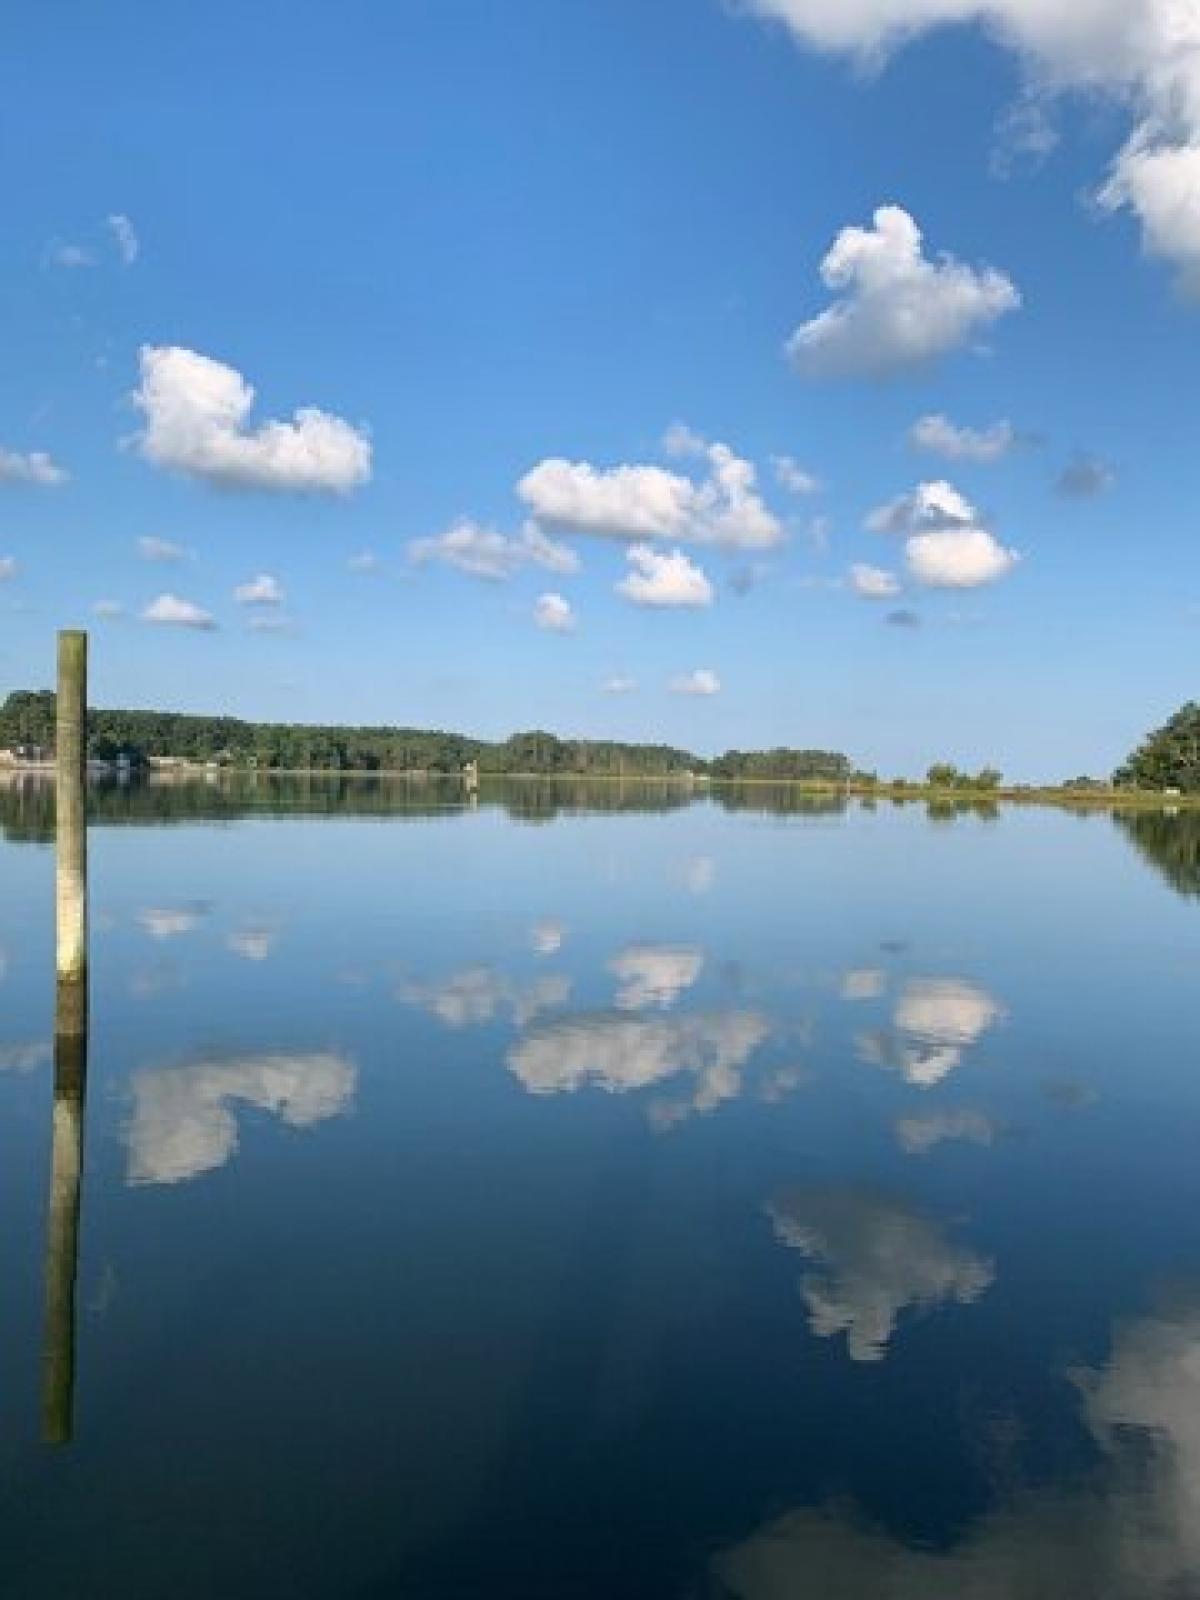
737, 1199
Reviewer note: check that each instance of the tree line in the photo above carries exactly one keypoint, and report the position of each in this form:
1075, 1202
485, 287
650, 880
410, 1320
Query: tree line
27, 719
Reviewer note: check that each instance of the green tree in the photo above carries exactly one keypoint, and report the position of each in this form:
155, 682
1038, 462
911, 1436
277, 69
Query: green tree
1169, 758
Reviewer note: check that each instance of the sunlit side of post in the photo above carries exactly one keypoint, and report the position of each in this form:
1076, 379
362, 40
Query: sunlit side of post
71, 808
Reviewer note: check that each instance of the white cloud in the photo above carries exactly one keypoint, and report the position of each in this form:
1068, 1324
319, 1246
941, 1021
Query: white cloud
365, 561
622, 1054
946, 546
71, 256
476, 996
702, 681
649, 502
484, 552
880, 1257
151, 548
929, 505
958, 558
652, 977
619, 683
1145, 53
124, 237
196, 413
34, 466
170, 611
936, 1020
8, 568
898, 309
264, 590
790, 475
664, 579
108, 610
873, 583
183, 1120
941, 437
554, 614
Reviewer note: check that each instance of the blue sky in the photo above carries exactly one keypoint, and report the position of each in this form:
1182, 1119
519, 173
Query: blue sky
501, 250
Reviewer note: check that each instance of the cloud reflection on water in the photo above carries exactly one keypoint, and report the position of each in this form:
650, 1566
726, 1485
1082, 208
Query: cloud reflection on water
184, 1120
880, 1257
619, 1053
934, 1022
1127, 1530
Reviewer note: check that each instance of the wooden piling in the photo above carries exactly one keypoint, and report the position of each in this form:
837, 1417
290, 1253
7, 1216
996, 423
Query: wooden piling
70, 1041
62, 1229
71, 747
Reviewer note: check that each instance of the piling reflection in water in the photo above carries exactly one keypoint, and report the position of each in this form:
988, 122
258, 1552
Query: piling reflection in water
62, 1232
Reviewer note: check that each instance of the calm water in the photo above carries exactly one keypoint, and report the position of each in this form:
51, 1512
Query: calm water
603, 1195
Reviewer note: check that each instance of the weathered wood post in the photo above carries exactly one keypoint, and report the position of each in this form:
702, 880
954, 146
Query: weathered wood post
70, 1041
62, 1229
71, 808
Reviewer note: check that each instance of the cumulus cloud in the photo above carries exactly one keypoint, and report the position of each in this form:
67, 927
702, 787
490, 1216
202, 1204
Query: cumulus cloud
184, 1118
124, 237
621, 1054
664, 578
652, 977
554, 614
33, 466
1085, 478
165, 551
108, 610
880, 1258
365, 561
264, 590
941, 437
929, 505
936, 1020
168, 610
724, 507
946, 546
8, 568
196, 420
790, 475
476, 996
873, 583
958, 558
1145, 53
484, 552
703, 681
898, 309
619, 683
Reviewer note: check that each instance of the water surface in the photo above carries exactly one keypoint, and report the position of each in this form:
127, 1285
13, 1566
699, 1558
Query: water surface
608, 1192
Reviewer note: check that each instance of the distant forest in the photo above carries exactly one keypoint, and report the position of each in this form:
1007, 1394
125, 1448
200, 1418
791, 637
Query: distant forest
27, 718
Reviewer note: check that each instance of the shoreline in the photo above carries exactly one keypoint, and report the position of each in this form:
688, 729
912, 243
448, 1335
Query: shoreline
1076, 799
